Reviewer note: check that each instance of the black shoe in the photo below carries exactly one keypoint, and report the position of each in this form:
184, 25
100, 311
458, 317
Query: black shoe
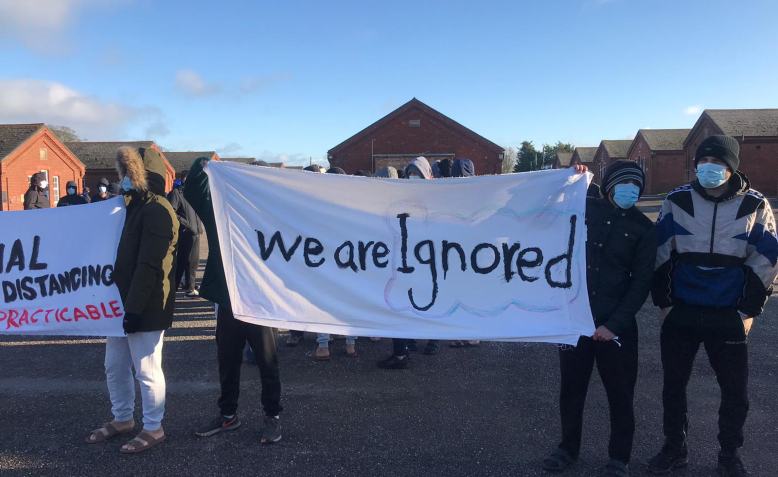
271, 430
394, 362
431, 348
669, 458
411, 345
615, 468
220, 424
730, 465
558, 461
293, 339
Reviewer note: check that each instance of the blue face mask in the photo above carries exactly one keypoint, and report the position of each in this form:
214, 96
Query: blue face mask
126, 184
711, 175
71, 191
626, 195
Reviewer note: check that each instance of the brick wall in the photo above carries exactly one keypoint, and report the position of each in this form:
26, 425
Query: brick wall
41, 153
431, 136
665, 170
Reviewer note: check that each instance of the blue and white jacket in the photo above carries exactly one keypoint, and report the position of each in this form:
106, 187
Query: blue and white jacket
717, 252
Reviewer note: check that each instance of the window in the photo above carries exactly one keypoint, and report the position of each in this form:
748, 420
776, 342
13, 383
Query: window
44, 154
55, 189
414, 123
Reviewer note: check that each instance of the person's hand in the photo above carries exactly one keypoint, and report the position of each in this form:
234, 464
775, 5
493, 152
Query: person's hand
580, 168
665, 311
603, 334
747, 323
131, 323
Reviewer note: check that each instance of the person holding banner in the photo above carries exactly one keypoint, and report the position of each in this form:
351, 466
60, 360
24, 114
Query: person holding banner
715, 268
144, 274
231, 333
620, 255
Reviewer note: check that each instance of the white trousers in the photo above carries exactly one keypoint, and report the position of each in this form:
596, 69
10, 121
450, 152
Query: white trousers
142, 351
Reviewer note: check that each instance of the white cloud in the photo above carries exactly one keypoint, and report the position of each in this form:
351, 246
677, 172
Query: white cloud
230, 148
33, 101
40, 24
693, 110
191, 83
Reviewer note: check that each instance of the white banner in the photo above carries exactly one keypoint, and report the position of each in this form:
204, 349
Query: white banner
490, 258
56, 270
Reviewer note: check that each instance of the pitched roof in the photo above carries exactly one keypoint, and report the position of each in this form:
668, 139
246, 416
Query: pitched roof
416, 103
563, 158
102, 155
665, 139
745, 122
617, 148
585, 154
13, 135
182, 160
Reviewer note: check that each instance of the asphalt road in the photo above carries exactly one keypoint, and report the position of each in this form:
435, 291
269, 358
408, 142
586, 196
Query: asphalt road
483, 411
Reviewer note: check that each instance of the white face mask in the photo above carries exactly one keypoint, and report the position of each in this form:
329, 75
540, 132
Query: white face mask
103, 189
44, 184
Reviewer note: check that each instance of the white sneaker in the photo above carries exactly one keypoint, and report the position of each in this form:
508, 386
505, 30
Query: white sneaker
193, 293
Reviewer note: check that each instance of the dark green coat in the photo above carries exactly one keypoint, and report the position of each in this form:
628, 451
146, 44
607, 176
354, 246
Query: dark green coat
198, 194
145, 259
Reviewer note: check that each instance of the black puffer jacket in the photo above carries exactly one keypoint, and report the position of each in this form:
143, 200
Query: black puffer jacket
620, 255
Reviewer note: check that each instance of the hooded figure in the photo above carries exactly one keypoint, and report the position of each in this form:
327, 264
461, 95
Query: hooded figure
145, 270
103, 190
444, 166
388, 172
72, 196
462, 168
419, 167
144, 273
37, 196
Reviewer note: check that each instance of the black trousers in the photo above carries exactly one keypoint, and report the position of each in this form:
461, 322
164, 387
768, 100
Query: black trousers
231, 337
187, 259
618, 368
721, 332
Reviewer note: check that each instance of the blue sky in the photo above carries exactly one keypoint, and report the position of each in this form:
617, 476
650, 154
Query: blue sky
288, 80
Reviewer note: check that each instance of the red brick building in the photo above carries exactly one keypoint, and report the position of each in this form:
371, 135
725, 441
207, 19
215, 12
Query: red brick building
757, 132
660, 153
610, 150
29, 148
415, 129
100, 160
182, 161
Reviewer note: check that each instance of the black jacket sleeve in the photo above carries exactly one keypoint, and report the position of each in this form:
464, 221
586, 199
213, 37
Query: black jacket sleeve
642, 270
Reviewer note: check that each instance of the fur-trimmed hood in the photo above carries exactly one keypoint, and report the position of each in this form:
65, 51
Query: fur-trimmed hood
144, 167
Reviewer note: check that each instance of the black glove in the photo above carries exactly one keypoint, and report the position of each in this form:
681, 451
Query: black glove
131, 323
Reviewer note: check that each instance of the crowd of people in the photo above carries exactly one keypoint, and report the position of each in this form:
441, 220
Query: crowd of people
709, 263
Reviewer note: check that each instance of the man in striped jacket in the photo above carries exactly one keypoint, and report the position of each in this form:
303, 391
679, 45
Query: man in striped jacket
715, 265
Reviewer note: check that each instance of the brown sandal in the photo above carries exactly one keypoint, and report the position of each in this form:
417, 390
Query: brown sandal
140, 443
108, 431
